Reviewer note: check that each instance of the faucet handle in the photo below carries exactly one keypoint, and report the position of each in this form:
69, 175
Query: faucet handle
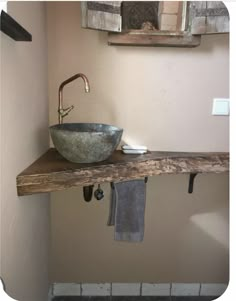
69, 109
65, 112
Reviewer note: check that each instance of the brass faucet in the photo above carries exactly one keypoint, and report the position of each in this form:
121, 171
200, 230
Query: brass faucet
64, 112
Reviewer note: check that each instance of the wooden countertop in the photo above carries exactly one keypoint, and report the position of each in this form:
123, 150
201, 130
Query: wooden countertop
51, 172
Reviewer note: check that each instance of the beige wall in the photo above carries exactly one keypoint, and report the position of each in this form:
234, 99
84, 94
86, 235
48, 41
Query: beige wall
162, 97
24, 137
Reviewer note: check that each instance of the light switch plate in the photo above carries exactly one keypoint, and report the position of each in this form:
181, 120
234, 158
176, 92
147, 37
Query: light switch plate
220, 106
3, 6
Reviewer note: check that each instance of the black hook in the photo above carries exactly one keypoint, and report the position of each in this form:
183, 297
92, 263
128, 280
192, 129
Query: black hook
88, 193
191, 181
98, 193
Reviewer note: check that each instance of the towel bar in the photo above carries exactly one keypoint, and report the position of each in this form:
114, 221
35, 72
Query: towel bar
145, 180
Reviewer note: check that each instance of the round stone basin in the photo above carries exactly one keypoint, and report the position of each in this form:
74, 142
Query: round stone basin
85, 142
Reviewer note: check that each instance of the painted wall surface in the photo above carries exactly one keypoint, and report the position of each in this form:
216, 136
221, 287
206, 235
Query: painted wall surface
162, 97
24, 137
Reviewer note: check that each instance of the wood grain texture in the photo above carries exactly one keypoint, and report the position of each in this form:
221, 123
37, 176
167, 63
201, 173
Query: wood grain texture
51, 172
101, 15
197, 20
84, 16
208, 17
154, 38
217, 17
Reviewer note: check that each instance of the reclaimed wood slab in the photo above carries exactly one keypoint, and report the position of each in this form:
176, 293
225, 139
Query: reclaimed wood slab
51, 172
154, 38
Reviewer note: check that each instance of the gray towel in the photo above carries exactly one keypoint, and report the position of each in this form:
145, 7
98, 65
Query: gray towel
127, 210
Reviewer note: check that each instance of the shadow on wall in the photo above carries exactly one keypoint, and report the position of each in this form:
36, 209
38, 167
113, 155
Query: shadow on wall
41, 136
215, 224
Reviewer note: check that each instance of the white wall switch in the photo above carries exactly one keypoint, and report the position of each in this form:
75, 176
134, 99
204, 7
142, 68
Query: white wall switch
220, 106
3, 6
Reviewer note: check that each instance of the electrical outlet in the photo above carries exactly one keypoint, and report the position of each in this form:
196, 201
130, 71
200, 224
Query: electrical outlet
220, 106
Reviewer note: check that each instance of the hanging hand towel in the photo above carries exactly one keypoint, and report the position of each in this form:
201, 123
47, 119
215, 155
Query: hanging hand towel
127, 210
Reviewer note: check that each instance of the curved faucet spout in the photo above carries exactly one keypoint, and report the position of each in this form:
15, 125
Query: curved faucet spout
63, 112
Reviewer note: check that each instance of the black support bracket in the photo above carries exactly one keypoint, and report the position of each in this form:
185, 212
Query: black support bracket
191, 182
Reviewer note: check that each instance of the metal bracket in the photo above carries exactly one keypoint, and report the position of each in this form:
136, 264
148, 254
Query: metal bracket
145, 181
88, 193
191, 182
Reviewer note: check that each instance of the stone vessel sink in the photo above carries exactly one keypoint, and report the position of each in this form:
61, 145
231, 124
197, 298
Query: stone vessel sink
85, 142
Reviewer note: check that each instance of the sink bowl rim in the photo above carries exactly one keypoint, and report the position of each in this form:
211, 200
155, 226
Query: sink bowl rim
107, 127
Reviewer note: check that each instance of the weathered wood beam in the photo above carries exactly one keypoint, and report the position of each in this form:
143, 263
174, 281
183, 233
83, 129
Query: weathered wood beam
208, 17
101, 15
140, 38
51, 172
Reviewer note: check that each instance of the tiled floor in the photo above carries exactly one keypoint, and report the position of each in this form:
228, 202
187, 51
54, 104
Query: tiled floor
139, 298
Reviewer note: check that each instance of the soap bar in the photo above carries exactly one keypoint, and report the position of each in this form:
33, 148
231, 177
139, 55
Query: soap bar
134, 151
134, 147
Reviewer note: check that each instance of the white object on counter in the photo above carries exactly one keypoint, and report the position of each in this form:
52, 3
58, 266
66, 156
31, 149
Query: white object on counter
133, 151
134, 147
